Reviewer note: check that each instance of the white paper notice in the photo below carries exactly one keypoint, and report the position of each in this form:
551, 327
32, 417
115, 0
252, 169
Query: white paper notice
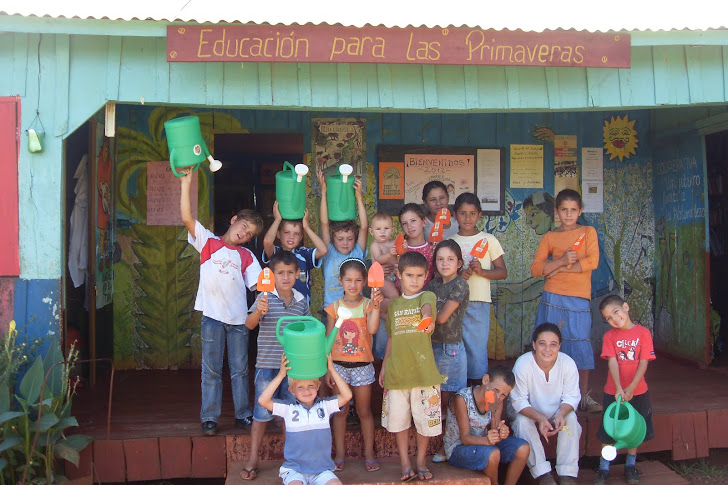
489, 179
592, 195
592, 163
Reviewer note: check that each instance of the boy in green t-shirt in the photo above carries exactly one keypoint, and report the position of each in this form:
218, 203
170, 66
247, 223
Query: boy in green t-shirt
409, 374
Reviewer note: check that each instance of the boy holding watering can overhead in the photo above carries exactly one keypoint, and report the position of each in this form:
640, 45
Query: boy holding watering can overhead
308, 427
628, 348
285, 301
221, 297
290, 233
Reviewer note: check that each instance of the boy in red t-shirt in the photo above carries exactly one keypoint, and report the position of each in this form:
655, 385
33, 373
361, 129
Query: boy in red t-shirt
628, 348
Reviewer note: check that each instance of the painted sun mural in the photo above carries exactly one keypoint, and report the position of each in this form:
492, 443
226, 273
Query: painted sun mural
620, 138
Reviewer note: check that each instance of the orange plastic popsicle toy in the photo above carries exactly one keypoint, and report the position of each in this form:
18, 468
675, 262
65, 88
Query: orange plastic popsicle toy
400, 245
480, 249
266, 281
436, 234
443, 216
376, 275
426, 322
576, 245
489, 399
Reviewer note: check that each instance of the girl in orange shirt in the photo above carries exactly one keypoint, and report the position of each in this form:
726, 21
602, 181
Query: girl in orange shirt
567, 256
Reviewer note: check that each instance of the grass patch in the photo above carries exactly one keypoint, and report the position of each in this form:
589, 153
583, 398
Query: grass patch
700, 468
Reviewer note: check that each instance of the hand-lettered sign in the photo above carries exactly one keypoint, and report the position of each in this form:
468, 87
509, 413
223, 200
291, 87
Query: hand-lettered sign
411, 45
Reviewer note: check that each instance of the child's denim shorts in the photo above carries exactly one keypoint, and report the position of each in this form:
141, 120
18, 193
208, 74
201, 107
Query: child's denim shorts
451, 362
262, 379
475, 457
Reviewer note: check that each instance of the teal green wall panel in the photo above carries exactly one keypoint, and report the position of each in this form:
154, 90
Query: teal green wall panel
671, 76
62, 84
492, 88
20, 62
705, 75
139, 54
637, 84
214, 81
603, 87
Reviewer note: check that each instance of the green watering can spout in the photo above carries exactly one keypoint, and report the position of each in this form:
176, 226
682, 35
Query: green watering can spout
631, 430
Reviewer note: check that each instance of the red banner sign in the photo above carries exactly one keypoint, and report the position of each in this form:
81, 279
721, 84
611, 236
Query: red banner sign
413, 45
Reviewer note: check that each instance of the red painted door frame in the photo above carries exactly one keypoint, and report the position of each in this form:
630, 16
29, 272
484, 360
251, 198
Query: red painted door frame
10, 143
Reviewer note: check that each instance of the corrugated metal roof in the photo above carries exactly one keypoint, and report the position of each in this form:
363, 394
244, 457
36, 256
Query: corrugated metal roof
535, 15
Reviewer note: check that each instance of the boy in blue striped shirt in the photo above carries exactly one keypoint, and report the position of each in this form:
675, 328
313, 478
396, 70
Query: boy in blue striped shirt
285, 301
308, 428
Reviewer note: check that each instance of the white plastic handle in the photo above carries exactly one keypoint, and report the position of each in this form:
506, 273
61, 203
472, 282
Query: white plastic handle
345, 170
343, 314
215, 165
301, 170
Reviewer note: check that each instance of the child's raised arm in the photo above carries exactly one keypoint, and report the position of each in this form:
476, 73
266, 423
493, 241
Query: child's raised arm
266, 397
185, 207
270, 236
363, 219
261, 308
321, 247
344, 395
324, 210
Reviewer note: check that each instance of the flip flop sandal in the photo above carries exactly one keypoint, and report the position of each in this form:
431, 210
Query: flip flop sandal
251, 473
408, 475
422, 475
371, 466
339, 465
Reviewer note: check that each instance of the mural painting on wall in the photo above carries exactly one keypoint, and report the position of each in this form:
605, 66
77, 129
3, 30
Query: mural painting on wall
336, 141
620, 137
104, 270
156, 277
625, 228
681, 323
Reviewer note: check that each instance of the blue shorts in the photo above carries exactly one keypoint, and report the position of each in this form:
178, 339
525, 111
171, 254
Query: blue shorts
475, 457
451, 362
262, 379
476, 327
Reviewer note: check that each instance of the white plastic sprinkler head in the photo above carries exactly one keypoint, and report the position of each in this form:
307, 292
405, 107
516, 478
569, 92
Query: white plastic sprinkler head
343, 314
301, 171
609, 452
215, 165
345, 170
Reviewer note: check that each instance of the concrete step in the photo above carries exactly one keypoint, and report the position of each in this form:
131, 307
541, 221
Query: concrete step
354, 473
653, 473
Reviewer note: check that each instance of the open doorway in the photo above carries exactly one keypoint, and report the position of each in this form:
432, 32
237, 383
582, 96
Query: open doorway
716, 151
247, 177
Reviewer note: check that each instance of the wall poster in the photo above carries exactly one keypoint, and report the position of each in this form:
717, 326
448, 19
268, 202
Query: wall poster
391, 180
458, 168
526, 166
163, 192
336, 141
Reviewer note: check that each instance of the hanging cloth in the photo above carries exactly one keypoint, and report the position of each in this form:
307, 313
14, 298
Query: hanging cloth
78, 246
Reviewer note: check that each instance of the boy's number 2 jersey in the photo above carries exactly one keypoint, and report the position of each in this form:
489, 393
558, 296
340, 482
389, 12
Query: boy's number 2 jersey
225, 274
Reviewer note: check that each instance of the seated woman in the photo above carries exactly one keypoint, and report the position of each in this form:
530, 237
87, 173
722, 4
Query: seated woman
543, 403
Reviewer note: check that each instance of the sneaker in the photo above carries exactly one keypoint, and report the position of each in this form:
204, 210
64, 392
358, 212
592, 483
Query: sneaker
589, 405
567, 480
244, 423
209, 428
546, 479
602, 476
631, 475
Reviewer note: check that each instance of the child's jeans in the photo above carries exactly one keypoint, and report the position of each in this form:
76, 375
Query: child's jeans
476, 327
214, 335
263, 377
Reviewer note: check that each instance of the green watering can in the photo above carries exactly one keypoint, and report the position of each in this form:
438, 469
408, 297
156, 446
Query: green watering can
340, 194
305, 343
625, 425
291, 190
186, 146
